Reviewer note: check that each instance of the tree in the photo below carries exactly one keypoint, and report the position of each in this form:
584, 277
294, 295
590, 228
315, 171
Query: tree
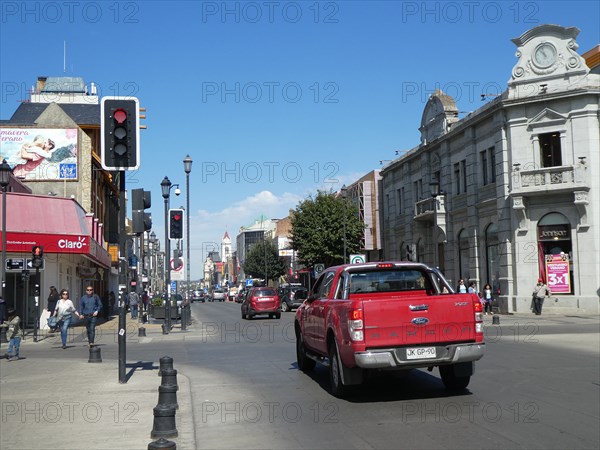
264, 254
318, 229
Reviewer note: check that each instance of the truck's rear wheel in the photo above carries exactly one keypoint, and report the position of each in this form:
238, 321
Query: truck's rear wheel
305, 364
451, 381
335, 373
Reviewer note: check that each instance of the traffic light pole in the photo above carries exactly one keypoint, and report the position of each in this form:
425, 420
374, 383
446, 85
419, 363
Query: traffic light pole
167, 325
123, 278
37, 305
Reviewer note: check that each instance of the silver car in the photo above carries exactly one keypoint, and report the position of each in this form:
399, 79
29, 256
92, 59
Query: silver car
219, 295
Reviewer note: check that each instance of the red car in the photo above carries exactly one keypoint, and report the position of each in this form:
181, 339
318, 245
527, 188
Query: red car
261, 300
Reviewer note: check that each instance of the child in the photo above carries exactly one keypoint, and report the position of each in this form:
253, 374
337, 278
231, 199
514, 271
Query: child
14, 334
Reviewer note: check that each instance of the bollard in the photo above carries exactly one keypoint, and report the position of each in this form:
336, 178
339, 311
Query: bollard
141, 332
164, 422
183, 318
167, 396
95, 356
166, 363
496, 320
169, 377
164, 328
162, 443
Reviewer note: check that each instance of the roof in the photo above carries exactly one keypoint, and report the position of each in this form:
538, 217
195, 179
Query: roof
27, 113
28, 213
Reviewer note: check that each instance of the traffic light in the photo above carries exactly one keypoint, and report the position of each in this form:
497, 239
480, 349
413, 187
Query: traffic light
120, 133
141, 200
37, 252
176, 223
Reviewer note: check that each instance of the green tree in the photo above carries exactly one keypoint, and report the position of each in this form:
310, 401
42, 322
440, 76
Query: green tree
264, 255
318, 229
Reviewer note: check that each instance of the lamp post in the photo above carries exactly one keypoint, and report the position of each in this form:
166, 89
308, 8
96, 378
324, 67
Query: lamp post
344, 191
187, 167
152, 264
166, 186
5, 172
435, 191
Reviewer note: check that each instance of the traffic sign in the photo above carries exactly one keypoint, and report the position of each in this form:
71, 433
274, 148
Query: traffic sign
29, 264
177, 274
249, 282
357, 259
319, 268
15, 264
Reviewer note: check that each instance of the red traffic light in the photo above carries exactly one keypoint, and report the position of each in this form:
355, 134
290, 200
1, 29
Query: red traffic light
37, 251
176, 217
120, 115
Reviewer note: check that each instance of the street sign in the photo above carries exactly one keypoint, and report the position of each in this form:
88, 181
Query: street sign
319, 268
29, 264
357, 259
178, 274
173, 287
15, 264
249, 282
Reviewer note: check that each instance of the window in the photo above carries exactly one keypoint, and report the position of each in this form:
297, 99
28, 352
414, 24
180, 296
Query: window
463, 255
492, 151
484, 167
463, 168
457, 177
492, 257
550, 153
400, 193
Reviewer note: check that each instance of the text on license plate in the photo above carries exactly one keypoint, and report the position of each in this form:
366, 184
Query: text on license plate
420, 353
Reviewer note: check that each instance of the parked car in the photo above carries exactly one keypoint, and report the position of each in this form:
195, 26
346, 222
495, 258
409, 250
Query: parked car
218, 295
261, 300
292, 296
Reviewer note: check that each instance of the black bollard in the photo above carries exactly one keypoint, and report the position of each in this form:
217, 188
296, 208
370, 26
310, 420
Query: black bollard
169, 378
166, 363
141, 332
496, 320
95, 356
167, 396
163, 444
164, 422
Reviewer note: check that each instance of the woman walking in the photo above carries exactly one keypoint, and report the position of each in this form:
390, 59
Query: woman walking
53, 298
64, 313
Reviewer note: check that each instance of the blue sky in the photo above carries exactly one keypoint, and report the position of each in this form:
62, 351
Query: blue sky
272, 100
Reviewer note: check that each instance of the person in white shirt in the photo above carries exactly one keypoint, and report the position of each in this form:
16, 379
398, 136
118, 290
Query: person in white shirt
64, 313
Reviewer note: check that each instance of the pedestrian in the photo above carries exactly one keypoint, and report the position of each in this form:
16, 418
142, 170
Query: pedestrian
53, 298
487, 299
461, 288
13, 324
64, 314
134, 301
111, 303
89, 308
540, 292
145, 300
2, 318
472, 288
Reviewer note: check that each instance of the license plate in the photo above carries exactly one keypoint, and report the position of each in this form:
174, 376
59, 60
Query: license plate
420, 353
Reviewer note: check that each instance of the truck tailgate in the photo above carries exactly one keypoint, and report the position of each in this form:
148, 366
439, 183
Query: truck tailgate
397, 320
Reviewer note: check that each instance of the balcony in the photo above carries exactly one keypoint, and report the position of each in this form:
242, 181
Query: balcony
424, 209
559, 179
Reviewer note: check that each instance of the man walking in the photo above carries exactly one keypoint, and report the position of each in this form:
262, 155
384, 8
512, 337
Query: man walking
134, 301
89, 307
540, 292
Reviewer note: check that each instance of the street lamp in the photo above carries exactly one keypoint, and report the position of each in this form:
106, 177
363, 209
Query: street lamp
166, 187
344, 191
435, 191
5, 172
187, 167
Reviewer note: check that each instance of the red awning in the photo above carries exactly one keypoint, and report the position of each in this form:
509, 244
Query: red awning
58, 224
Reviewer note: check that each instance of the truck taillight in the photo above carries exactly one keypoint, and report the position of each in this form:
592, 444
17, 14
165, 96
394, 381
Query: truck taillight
356, 325
478, 316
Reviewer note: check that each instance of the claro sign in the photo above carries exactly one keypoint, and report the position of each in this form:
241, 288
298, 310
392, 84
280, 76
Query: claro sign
69, 244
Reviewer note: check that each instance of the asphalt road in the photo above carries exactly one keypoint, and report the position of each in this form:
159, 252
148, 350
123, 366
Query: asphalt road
537, 387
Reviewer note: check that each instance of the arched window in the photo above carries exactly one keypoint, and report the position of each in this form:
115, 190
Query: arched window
491, 257
464, 265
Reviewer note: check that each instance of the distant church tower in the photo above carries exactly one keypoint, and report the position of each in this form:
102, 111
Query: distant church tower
225, 248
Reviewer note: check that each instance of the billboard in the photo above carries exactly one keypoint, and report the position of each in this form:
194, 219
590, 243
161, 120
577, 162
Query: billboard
558, 273
40, 154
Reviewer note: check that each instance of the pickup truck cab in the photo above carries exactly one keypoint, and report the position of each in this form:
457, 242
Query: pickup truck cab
388, 316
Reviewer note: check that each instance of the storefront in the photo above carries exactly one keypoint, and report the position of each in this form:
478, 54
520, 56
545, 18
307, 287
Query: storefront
555, 252
73, 252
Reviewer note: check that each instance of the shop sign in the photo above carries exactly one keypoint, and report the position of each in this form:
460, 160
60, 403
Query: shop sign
558, 273
554, 233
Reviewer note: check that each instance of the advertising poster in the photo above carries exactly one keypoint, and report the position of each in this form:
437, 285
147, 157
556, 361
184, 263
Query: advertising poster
40, 154
557, 273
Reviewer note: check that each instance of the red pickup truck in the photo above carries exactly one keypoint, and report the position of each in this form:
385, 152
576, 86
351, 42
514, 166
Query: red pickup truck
388, 316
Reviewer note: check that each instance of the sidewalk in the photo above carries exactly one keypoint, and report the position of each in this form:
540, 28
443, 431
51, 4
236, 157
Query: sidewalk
69, 403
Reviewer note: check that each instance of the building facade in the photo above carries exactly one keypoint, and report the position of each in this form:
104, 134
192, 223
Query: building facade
509, 193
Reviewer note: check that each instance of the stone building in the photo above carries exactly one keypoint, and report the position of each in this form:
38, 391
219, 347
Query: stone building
509, 193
